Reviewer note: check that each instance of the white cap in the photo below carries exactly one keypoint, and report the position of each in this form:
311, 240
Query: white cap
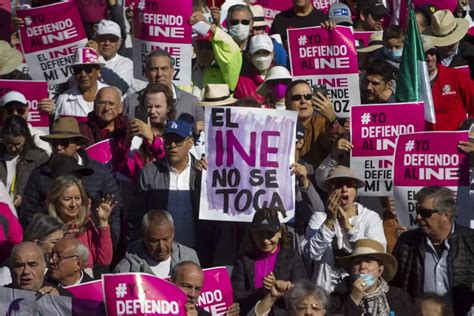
13, 96
261, 41
105, 27
85, 56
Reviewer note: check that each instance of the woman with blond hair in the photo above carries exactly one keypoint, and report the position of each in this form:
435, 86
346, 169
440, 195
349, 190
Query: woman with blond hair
68, 202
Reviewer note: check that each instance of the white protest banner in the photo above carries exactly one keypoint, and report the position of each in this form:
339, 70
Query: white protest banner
374, 131
163, 24
249, 158
49, 39
430, 159
328, 58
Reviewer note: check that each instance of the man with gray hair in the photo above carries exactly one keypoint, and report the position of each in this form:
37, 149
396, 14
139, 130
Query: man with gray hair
438, 256
156, 252
239, 23
66, 264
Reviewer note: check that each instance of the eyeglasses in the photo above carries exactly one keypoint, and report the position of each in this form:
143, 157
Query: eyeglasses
244, 22
61, 142
86, 68
20, 110
55, 258
297, 97
376, 17
425, 212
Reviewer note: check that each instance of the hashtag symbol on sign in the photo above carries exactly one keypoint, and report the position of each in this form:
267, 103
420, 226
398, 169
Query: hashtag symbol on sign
410, 145
365, 118
27, 21
141, 5
121, 290
302, 40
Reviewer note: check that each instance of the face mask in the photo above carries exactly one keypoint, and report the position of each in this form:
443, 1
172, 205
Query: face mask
262, 62
239, 32
393, 54
278, 91
368, 278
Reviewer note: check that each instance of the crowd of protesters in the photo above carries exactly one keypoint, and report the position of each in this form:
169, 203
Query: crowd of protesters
66, 219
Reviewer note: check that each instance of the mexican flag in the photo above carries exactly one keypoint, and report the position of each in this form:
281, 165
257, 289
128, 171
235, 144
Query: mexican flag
413, 82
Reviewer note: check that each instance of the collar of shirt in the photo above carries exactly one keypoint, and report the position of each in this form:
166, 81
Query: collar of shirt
446, 61
80, 161
429, 243
78, 282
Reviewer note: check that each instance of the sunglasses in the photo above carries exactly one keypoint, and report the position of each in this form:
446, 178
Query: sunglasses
86, 68
235, 22
297, 97
20, 110
425, 212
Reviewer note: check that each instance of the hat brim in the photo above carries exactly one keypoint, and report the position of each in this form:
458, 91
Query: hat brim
261, 23
389, 262
456, 36
359, 183
13, 62
378, 10
83, 139
369, 49
228, 101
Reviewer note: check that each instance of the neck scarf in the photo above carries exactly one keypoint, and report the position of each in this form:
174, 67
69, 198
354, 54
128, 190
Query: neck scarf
376, 303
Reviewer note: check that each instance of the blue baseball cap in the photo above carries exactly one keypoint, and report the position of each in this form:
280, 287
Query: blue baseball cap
179, 127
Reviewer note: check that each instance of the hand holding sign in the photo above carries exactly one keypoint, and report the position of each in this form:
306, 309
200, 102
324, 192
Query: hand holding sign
467, 147
46, 106
301, 173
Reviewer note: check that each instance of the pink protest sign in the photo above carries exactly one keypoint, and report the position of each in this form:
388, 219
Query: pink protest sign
327, 58
33, 91
141, 294
216, 295
92, 10
374, 132
249, 159
429, 159
163, 24
49, 39
88, 291
362, 38
5, 20
272, 7
100, 151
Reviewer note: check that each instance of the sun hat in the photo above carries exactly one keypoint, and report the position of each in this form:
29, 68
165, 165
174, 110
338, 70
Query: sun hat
216, 95
445, 29
65, 128
372, 249
261, 41
340, 13
13, 96
264, 221
86, 56
258, 16
375, 42
10, 58
375, 7
341, 171
179, 127
107, 27
275, 73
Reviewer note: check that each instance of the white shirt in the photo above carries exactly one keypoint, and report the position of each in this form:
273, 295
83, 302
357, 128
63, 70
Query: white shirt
71, 103
36, 133
121, 65
11, 172
162, 269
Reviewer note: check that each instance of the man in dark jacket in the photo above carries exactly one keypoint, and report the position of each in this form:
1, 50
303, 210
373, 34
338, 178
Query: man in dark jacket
439, 255
66, 139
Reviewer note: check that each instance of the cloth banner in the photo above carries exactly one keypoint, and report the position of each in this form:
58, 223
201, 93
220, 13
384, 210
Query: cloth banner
163, 24
21, 302
327, 58
216, 294
430, 159
249, 155
141, 294
33, 91
374, 131
5, 20
49, 39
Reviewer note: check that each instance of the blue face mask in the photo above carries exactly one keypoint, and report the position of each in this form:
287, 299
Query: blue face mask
393, 54
368, 278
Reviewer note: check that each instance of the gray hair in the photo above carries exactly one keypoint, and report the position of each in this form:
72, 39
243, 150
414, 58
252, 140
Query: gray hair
237, 8
156, 217
303, 289
83, 253
115, 89
158, 53
183, 264
19, 247
443, 198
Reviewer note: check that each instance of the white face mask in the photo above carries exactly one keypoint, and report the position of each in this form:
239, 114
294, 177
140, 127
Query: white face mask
239, 32
262, 62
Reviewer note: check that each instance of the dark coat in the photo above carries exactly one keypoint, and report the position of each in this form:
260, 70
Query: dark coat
94, 129
288, 267
31, 159
410, 253
97, 186
465, 56
342, 303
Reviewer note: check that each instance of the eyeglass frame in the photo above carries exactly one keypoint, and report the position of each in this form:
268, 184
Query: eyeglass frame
49, 257
425, 212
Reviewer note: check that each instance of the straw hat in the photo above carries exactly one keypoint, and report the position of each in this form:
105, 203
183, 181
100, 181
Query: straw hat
10, 58
372, 249
65, 128
341, 171
258, 16
445, 29
375, 42
217, 94
275, 73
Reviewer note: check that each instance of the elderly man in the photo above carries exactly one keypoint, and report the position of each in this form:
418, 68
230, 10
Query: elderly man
15, 103
156, 253
106, 121
239, 23
67, 262
438, 256
28, 268
66, 139
159, 69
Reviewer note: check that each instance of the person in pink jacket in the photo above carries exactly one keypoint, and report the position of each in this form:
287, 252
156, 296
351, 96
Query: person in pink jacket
68, 202
11, 232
